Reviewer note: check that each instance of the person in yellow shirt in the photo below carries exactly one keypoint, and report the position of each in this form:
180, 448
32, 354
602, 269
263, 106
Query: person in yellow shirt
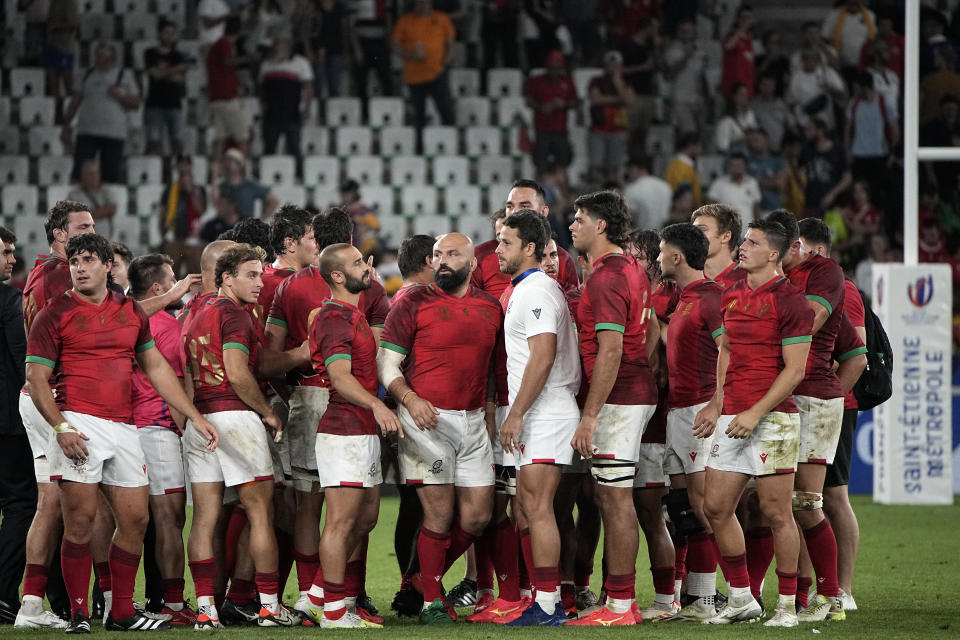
683, 166
424, 39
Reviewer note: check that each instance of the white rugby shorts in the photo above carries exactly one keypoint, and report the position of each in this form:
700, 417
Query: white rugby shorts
307, 406
242, 456
115, 455
457, 451
771, 448
821, 422
40, 435
685, 452
348, 461
164, 455
650, 473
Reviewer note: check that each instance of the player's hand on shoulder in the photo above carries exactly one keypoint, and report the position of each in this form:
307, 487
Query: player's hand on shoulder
423, 412
388, 420
206, 429
582, 441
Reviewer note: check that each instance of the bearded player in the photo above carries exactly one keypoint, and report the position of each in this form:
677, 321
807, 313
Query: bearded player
446, 449
90, 337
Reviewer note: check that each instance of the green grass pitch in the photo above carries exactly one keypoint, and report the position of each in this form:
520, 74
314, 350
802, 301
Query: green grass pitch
907, 585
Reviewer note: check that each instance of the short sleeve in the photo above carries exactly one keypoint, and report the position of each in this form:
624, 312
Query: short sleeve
236, 329
145, 340
853, 305
848, 344
336, 329
400, 327
609, 296
826, 285
795, 318
167, 335
376, 306
278, 315
540, 313
43, 344
568, 271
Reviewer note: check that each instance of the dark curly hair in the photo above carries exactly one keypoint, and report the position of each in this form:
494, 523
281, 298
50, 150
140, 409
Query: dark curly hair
610, 207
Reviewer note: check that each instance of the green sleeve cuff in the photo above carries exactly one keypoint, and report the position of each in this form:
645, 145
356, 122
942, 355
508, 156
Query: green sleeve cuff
394, 347
796, 340
43, 361
336, 356
609, 326
376, 326
146, 346
236, 345
718, 332
823, 301
276, 321
859, 351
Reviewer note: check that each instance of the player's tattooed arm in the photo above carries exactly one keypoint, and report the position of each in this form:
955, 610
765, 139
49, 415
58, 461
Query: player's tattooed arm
342, 379
171, 389
71, 441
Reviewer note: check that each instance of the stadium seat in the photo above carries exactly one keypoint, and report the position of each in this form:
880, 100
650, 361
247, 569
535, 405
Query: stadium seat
56, 193
27, 81
510, 109
473, 112
418, 201
9, 140
440, 141
251, 106
201, 169
54, 170
30, 232
172, 10
478, 228
354, 141
432, 225
382, 198
321, 171
342, 112
323, 197
14, 169
386, 112
504, 82
147, 201
278, 170
397, 141
128, 7
120, 195
144, 170
408, 171
195, 82
95, 27
5, 111
92, 6
19, 199
126, 229
463, 200
660, 139
136, 144
315, 140
494, 170
45, 141
139, 26
290, 193
710, 166
582, 78
451, 170
137, 50
483, 141
367, 170
36, 110
464, 82
393, 230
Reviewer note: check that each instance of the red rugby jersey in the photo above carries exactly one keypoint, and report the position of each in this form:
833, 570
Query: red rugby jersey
664, 299
691, 344
488, 277
617, 298
297, 302
449, 343
821, 279
272, 277
341, 332
149, 409
853, 307
758, 323
49, 278
731, 275
219, 324
91, 349
848, 344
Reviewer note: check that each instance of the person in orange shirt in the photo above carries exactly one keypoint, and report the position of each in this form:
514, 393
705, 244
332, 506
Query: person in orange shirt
424, 39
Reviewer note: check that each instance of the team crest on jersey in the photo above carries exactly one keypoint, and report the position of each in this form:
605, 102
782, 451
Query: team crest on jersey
444, 312
686, 311
437, 467
536, 313
763, 309
763, 458
732, 304
122, 316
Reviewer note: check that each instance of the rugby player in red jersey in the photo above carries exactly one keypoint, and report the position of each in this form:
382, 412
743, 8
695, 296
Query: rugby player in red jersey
296, 303
616, 338
768, 326
347, 446
223, 351
524, 194
159, 427
208, 287
89, 337
446, 448
836, 502
722, 226
693, 339
293, 241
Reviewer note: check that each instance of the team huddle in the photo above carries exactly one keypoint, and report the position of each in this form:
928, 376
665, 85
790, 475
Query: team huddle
689, 369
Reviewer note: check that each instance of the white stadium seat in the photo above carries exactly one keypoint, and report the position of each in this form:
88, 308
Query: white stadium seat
393, 230
367, 170
473, 112
9, 140
14, 169
36, 110
483, 141
139, 26
463, 201
19, 199
354, 141
504, 82
321, 171
315, 140
290, 193
418, 201
144, 170
147, 201
509, 110
27, 81
494, 170
464, 82
408, 170
380, 197
478, 228
386, 112
432, 225
45, 141
397, 141
278, 170
451, 170
342, 112
440, 141
54, 170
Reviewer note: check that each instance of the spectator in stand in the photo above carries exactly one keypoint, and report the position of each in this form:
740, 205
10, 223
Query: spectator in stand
732, 129
230, 122
182, 205
244, 191
847, 28
684, 62
772, 112
812, 41
640, 64
423, 38
163, 111
768, 168
825, 169
889, 40
943, 81
122, 257
885, 80
933, 242
683, 203
879, 253
366, 224
35, 22
683, 166
647, 196
623, 17
795, 182
213, 16
227, 218
737, 188
774, 62
872, 131
105, 94
370, 47
610, 98
738, 62
499, 34
90, 191
330, 32
59, 50
580, 18
813, 90
286, 91
551, 95
860, 217
944, 131
541, 39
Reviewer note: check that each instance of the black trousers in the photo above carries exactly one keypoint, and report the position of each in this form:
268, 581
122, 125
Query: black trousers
18, 503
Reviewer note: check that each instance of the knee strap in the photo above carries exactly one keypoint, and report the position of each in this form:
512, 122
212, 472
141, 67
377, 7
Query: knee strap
681, 514
807, 500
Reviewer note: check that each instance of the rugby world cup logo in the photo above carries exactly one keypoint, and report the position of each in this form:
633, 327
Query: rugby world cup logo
921, 291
